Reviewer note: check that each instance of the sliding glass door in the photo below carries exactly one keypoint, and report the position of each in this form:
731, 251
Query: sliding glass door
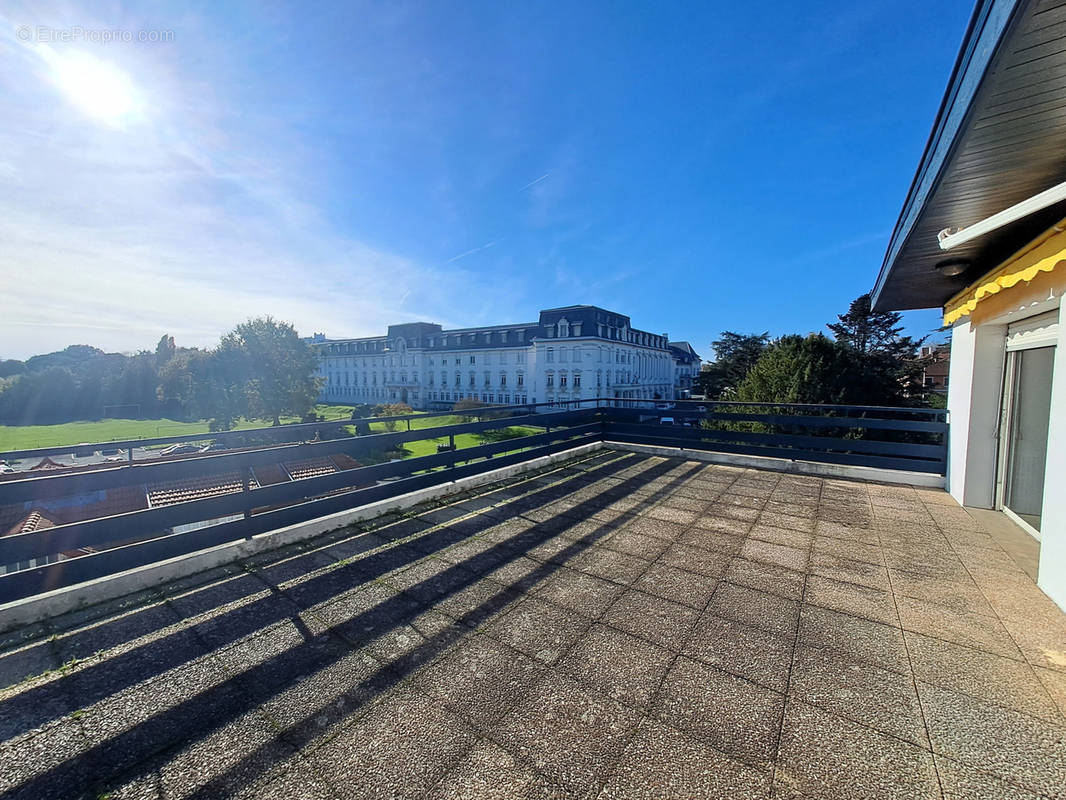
1026, 413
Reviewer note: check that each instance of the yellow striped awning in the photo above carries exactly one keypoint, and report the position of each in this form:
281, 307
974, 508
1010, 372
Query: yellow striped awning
1045, 254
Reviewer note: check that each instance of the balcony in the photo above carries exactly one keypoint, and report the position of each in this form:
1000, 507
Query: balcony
612, 624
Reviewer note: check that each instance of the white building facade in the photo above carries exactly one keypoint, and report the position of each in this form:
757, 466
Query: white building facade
687, 365
571, 353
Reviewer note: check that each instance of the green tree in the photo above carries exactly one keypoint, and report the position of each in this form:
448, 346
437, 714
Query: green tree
393, 410
10, 366
164, 350
271, 366
876, 337
816, 369
734, 355
868, 331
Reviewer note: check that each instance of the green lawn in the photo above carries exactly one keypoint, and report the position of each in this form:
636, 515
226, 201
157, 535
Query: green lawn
25, 437
427, 447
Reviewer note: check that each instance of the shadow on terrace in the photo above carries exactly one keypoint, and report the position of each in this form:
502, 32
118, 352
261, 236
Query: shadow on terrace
219, 686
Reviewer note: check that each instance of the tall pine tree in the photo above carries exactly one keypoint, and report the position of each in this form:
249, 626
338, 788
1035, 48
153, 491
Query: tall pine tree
874, 332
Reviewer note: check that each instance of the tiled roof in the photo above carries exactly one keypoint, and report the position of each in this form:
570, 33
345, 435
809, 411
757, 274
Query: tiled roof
47, 463
310, 467
166, 493
36, 520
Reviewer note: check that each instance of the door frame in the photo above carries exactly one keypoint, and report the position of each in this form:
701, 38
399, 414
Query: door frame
1004, 430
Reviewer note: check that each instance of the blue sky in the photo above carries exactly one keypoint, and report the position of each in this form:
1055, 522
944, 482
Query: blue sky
699, 166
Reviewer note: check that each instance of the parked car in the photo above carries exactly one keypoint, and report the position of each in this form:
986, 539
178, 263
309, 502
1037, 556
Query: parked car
180, 449
109, 451
702, 409
666, 420
6, 469
664, 406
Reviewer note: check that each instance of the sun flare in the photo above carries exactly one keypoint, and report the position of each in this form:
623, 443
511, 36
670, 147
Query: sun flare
99, 89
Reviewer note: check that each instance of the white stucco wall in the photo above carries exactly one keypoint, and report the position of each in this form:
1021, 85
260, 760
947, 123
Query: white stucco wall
973, 403
1052, 572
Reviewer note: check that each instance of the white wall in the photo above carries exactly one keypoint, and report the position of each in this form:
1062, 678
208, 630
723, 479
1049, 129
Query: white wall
973, 402
1052, 572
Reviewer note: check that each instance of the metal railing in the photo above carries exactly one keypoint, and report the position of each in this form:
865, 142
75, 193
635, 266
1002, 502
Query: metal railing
903, 439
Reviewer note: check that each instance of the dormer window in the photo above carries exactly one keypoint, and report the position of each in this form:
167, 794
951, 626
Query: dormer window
564, 328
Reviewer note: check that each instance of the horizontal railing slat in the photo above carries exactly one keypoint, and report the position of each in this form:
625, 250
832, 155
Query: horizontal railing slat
858, 459
106, 530
65, 573
293, 432
67, 484
865, 423
829, 443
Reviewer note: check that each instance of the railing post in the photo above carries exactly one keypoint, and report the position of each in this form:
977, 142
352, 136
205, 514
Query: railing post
451, 449
246, 481
129, 460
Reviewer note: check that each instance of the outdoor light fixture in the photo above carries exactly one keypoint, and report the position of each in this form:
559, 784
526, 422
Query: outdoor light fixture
953, 267
952, 237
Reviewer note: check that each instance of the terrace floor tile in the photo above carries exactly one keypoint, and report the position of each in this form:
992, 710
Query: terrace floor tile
573, 736
677, 585
540, 629
732, 715
826, 756
661, 762
618, 665
740, 649
652, 618
860, 692
760, 609
1015, 747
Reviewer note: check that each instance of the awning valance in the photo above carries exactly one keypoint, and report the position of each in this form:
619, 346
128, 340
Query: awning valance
1046, 255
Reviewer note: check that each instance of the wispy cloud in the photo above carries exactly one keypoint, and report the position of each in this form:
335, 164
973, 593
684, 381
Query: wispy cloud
837, 248
533, 183
470, 252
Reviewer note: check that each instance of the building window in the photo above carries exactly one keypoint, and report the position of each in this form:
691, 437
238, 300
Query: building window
551, 355
473, 360
503, 379
549, 380
562, 380
577, 380
521, 379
